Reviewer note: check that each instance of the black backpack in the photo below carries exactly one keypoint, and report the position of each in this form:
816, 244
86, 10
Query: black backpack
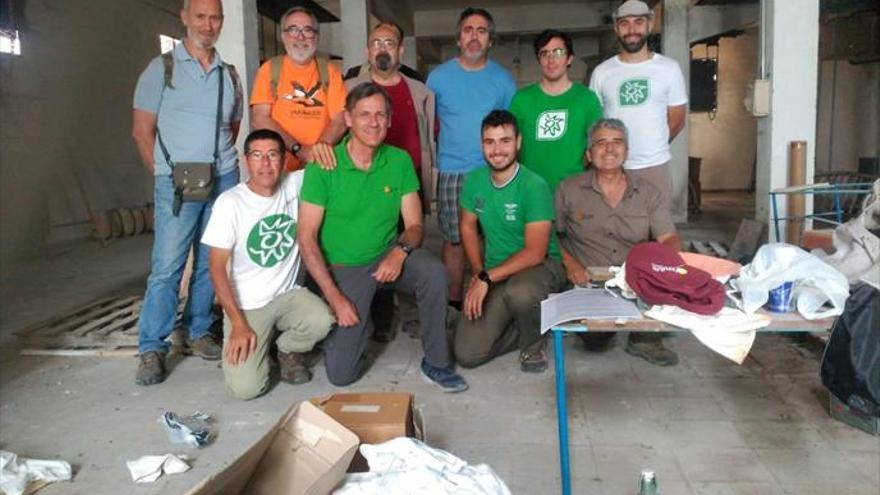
851, 364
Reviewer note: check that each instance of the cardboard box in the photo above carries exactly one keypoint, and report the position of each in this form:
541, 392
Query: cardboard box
305, 453
374, 418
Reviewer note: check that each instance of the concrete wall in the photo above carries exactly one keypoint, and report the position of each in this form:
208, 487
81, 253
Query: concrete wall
855, 99
65, 116
727, 142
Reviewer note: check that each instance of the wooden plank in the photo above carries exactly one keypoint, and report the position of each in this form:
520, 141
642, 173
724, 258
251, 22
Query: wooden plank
121, 352
127, 311
719, 249
702, 248
67, 323
120, 325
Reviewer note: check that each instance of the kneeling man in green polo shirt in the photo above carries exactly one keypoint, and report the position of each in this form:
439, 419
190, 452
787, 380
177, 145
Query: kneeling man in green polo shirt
348, 219
520, 265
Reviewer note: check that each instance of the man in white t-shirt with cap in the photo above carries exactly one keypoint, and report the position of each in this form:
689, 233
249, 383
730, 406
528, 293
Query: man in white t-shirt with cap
255, 267
647, 92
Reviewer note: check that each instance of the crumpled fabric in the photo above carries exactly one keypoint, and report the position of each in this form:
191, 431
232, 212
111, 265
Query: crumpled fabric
19, 475
404, 466
730, 332
149, 468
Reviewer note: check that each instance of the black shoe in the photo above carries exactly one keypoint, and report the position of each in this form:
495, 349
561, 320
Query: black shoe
151, 369
597, 341
533, 361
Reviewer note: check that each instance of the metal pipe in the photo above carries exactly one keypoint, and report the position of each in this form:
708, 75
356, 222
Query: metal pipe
762, 37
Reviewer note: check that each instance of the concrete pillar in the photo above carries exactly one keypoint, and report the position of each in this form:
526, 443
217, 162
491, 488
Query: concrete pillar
410, 56
239, 46
355, 16
792, 52
676, 47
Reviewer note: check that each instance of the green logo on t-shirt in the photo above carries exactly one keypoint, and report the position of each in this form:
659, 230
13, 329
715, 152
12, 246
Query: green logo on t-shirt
271, 240
634, 92
510, 210
552, 125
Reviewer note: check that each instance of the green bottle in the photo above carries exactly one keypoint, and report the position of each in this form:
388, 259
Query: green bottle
648, 483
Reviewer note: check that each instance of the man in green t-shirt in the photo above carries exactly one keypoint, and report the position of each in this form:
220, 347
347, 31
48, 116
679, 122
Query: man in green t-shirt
353, 211
520, 265
555, 113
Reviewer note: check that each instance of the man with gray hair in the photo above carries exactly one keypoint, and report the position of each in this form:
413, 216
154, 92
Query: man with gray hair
646, 91
186, 116
601, 214
300, 95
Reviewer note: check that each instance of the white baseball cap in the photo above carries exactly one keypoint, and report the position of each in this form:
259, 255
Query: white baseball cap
633, 8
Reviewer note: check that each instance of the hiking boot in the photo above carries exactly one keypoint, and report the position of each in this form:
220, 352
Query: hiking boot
597, 341
206, 348
151, 369
653, 352
533, 360
293, 368
445, 378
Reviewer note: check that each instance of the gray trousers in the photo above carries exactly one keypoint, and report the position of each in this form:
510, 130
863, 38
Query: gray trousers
511, 315
422, 276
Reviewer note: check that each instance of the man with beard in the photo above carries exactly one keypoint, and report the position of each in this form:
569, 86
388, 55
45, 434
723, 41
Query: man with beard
467, 87
176, 120
353, 210
600, 215
255, 263
301, 96
412, 104
555, 113
520, 266
647, 92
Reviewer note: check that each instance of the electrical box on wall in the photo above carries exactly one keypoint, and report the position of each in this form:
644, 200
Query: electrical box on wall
758, 100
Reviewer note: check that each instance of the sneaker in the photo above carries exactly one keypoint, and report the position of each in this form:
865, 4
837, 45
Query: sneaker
652, 352
293, 368
206, 348
533, 361
445, 378
151, 369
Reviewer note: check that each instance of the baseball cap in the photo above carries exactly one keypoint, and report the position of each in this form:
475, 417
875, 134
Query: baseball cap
631, 8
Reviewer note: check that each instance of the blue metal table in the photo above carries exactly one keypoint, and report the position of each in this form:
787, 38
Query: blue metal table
789, 322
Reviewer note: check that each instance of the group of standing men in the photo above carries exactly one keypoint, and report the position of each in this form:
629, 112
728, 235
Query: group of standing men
512, 197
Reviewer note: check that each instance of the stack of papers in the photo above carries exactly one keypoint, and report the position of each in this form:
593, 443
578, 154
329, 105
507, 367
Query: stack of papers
585, 304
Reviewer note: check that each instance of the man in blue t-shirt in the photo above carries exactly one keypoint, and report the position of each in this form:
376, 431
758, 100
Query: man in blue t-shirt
467, 87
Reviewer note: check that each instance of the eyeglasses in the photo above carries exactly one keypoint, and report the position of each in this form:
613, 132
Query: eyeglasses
258, 155
387, 43
555, 54
308, 32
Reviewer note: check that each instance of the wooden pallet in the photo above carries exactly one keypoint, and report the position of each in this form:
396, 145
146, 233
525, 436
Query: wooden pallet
105, 327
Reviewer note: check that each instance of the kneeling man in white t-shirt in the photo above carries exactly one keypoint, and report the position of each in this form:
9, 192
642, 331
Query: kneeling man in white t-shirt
255, 267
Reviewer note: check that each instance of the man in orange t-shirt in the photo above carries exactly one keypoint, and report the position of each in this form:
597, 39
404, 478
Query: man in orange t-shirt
302, 109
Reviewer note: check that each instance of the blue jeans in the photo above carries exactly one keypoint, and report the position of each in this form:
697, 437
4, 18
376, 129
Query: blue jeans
172, 241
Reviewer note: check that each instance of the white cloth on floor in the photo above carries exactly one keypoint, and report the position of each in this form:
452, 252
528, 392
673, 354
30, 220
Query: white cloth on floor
403, 466
17, 474
730, 332
149, 468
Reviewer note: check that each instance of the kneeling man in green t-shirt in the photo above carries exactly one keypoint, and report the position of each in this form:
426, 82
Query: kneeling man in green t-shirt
520, 264
348, 220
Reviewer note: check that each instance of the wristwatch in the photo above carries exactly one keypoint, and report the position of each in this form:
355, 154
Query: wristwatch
295, 147
405, 247
484, 276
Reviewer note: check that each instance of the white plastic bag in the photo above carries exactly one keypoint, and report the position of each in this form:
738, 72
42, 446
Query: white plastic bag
815, 282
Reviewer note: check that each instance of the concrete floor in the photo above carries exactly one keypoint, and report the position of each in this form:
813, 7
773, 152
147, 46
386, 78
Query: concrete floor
706, 426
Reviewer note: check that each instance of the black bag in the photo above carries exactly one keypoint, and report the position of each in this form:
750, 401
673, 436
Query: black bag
194, 181
851, 364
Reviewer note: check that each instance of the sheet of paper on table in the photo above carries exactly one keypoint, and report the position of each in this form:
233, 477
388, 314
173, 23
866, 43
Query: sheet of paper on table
585, 304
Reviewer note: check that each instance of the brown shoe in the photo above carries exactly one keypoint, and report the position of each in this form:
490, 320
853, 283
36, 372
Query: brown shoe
653, 352
293, 368
206, 348
151, 369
